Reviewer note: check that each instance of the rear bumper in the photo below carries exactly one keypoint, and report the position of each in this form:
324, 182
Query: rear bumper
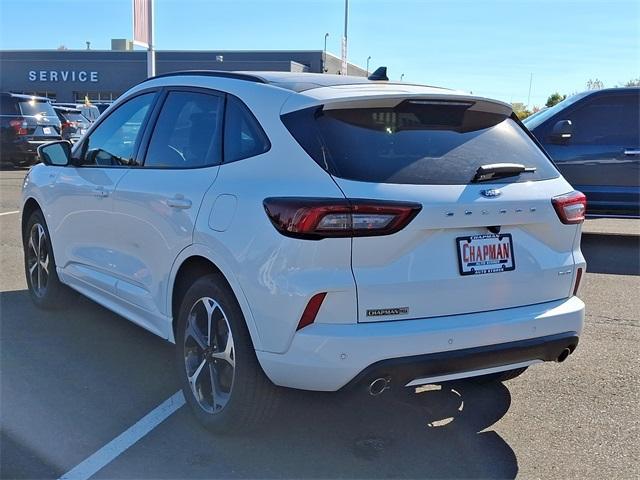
442, 366
327, 357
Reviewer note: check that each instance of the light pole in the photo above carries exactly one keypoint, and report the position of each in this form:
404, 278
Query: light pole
368, 58
343, 70
401, 77
324, 54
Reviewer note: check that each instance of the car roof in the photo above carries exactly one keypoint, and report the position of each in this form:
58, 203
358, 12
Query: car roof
310, 89
26, 97
295, 81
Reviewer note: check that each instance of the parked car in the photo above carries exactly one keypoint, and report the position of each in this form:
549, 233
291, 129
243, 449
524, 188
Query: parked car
90, 111
594, 139
73, 123
312, 231
25, 123
102, 107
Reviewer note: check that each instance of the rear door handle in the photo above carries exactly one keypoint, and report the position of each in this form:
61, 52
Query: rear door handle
632, 151
179, 202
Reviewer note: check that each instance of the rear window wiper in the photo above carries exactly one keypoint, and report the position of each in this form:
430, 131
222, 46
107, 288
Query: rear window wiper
500, 170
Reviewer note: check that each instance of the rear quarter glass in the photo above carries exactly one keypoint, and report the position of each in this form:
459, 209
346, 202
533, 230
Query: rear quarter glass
424, 144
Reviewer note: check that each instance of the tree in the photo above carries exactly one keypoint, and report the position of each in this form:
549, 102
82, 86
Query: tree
594, 84
62, 47
520, 110
554, 98
634, 82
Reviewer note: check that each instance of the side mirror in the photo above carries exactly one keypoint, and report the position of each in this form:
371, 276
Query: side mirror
562, 132
55, 153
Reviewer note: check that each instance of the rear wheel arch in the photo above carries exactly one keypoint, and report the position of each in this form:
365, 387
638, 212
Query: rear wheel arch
194, 267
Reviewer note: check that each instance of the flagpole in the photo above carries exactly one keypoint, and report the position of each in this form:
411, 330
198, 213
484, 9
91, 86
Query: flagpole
151, 53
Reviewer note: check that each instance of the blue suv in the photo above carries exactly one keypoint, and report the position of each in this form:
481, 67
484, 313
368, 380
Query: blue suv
594, 139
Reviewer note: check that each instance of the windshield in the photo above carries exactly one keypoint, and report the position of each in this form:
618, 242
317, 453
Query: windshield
540, 117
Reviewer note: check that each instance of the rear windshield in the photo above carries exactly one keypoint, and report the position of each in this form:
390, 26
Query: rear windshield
75, 117
36, 107
413, 143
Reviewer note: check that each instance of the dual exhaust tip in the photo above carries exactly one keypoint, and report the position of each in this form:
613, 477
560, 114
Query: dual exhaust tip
380, 385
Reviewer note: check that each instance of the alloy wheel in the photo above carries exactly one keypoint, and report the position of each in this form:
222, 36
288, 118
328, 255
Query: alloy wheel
209, 355
38, 260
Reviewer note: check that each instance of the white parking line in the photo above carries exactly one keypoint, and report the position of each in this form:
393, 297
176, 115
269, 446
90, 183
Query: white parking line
9, 213
118, 445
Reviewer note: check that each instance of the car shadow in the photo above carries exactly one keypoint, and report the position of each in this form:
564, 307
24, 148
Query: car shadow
442, 432
611, 254
90, 360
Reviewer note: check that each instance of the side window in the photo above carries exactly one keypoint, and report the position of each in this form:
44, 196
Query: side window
115, 140
611, 120
188, 133
243, 136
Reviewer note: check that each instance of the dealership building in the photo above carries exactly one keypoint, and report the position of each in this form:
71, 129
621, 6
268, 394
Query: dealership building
103, 75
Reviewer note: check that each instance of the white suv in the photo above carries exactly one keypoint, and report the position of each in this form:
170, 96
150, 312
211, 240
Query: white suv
312, 231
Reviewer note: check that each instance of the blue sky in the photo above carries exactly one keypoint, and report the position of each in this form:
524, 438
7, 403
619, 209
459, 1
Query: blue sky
489, 47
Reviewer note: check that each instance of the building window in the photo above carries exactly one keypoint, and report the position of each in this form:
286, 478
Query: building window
80, 97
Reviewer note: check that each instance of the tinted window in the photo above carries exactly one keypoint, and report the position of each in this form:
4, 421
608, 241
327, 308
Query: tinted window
8, 105
610, 120
243, 136
75, 117
188, 132
423, 144
115, 140
35, 107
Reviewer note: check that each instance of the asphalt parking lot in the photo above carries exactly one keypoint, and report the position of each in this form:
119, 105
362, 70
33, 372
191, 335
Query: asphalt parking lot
71, 381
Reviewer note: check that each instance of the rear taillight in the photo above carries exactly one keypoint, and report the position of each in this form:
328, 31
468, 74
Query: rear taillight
19, 126
576, 286
570, 207
311, 310
69, 124
317, 218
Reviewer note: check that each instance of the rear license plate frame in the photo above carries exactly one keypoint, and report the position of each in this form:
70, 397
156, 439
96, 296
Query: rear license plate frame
497, 266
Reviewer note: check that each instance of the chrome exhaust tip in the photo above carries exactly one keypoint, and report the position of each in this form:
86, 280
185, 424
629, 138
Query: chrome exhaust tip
378, 386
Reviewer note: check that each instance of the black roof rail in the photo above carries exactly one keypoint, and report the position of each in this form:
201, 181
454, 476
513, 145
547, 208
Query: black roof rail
212, 73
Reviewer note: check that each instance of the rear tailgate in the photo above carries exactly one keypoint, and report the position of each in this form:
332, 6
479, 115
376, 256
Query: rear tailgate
416, 273
474, 246
41, 121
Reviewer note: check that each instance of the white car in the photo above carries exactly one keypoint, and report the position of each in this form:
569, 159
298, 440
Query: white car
314, 232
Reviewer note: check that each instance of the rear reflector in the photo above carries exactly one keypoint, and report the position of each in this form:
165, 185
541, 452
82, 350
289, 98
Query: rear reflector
311, 310
317, 218
577, 284
570, 207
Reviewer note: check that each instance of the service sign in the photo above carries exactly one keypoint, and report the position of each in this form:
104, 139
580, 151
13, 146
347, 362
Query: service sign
490, 253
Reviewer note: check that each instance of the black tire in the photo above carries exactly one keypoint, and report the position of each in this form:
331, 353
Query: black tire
49, 293
501, 376
249, 397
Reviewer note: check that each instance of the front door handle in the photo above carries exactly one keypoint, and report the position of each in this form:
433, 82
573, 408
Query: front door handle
100, 192
632, 151
179, 202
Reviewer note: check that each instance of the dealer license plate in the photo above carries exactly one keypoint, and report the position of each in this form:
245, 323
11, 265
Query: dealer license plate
490, 253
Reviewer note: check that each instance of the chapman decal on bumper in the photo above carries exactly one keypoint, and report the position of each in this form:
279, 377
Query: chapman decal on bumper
379, 312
